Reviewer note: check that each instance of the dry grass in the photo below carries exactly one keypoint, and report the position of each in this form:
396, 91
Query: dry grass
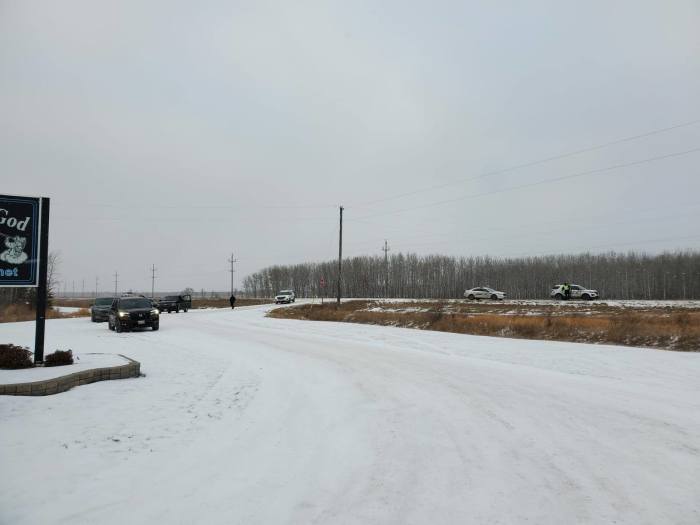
21, 312
656, 328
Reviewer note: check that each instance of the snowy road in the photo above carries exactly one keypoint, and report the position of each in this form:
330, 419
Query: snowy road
245, 419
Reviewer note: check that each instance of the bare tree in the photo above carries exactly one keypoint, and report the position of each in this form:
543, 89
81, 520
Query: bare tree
52, 274
28, 295
633, 275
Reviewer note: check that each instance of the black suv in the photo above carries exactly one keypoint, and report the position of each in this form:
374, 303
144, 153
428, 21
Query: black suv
128, 313
99, 311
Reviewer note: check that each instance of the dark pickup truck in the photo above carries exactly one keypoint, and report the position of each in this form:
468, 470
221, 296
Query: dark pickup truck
175, 302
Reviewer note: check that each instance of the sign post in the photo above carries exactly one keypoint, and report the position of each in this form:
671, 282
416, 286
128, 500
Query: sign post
42, 291
323, 286
24, 238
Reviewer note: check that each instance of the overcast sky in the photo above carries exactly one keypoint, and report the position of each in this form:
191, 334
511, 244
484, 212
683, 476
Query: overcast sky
174, 133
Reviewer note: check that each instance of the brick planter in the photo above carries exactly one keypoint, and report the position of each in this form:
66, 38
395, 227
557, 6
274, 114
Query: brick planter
55, 385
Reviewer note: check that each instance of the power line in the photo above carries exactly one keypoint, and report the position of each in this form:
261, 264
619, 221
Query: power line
531, 163
160, 218
579, 251
536, 183
445, 238
462, 241
204, 206
602, 246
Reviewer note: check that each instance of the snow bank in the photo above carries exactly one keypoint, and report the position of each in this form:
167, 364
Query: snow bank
81, 362
67, 309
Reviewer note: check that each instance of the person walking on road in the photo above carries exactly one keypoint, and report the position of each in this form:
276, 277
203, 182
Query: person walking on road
232, 300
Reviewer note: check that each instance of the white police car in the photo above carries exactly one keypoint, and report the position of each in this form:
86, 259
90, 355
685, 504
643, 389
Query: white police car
577, 292
484, 293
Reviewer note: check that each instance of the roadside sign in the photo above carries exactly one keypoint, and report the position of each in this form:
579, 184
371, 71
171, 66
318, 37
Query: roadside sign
24, 248
20, 229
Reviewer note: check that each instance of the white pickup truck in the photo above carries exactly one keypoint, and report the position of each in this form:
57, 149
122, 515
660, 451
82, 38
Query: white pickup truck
285, 297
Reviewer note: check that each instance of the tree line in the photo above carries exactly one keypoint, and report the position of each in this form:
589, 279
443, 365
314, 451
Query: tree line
632, 275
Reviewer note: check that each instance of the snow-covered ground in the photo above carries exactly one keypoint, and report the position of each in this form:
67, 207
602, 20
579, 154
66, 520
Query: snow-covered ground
82, 361
67, 309
617, 303
251, 420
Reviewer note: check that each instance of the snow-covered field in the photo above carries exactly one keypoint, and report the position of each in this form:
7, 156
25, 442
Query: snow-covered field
251, 420
616, 303
67, 309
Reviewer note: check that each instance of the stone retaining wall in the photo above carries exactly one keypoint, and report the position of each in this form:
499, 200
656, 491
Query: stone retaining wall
63, 383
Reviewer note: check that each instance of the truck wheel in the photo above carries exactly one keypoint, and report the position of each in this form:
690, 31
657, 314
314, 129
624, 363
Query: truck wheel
118, 328
559, 297
471, 297
185, 310
586, 297
494, 297
92, 318
177, 310
156, 326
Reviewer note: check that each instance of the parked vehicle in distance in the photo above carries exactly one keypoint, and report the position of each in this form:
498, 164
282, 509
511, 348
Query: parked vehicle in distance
285, 297
484, 293
99, 311
577, 292
175, 302
127, 313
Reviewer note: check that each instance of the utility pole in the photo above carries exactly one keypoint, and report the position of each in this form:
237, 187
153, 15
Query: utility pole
340, 254
82, 290
232, 261
97, 281
116, 283
73, 293
386, 268
153, 281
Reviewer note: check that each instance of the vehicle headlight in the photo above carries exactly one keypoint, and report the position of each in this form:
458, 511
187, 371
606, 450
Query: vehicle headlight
123, 314
155, 311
